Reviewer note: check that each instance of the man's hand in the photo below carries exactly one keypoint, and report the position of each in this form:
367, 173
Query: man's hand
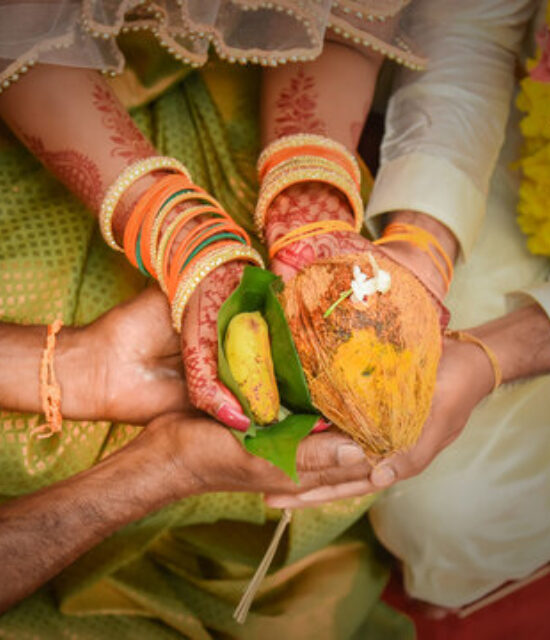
455, 398
175, 457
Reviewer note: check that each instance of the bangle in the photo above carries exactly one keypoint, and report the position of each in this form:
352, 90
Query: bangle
424, 240
125, 180
308, 231
307, 144
207, 263
307, 158
278, 181
463, 336
144, 209
202, 236
50, 391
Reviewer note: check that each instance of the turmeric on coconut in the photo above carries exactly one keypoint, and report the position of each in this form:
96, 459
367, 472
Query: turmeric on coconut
370, 361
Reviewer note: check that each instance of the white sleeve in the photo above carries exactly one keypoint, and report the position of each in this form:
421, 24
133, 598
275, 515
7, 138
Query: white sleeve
445, 125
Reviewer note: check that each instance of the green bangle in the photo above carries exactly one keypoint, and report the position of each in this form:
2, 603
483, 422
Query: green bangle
209, 241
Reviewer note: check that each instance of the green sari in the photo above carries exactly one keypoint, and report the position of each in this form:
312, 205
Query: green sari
181, 571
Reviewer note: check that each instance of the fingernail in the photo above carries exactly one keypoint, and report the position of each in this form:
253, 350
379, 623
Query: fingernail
382, 476
350, 454
321, 425
232, 418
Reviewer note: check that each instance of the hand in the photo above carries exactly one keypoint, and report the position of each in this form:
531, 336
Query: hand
199, 347
454, 400
302, 204
130, 366
200, 453
311, 202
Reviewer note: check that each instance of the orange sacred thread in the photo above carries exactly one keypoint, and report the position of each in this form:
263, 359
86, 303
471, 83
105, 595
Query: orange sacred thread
50, 391
422, 239
308, 231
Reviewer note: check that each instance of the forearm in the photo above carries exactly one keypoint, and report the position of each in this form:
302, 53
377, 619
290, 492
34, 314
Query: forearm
70, 119
42, 533
330, 96
520, 341
21, 349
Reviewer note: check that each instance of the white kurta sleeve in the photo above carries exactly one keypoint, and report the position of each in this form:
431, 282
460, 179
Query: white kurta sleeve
445, 125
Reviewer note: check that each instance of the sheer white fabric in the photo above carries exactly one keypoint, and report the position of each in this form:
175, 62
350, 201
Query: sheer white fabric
83, 32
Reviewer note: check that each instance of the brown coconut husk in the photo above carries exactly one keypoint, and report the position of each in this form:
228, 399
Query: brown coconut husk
371, 367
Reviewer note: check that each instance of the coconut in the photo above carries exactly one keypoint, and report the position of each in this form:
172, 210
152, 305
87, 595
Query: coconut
370, 363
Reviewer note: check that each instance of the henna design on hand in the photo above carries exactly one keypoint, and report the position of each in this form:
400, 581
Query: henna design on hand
73, 168
301, 204
296, 107
128, 141
200, 334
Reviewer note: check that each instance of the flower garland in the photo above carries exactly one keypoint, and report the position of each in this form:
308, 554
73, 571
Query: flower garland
534, 192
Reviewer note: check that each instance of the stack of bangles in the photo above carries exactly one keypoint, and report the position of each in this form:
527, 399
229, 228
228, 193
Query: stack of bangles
303, 158
212, 239
424, 240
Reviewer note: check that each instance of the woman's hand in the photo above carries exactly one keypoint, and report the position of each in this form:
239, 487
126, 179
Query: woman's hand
199, 347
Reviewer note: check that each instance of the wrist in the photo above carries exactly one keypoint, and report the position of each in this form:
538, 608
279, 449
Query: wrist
520, 341
429, 269
302, 204
77, 369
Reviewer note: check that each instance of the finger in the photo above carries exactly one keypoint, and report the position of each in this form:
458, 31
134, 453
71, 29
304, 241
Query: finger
320, 495
330, 449
200, 349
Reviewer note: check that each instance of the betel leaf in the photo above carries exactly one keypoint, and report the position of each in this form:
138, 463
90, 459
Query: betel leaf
290, 375
248, 296
279, 443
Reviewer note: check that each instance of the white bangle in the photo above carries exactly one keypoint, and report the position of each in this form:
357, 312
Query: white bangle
202, 268
125, 180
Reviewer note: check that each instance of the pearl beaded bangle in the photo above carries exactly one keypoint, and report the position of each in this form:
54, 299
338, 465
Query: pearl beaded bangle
293, 143
273, 186
124, 181
211, 261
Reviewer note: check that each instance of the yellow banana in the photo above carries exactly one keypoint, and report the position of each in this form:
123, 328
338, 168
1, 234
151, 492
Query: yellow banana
248, 354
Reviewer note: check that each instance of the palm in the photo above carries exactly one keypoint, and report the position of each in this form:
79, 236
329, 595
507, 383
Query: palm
141, 362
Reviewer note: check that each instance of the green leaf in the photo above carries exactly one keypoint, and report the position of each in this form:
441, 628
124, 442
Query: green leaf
291, 379
258, 292
248, 296
278, 444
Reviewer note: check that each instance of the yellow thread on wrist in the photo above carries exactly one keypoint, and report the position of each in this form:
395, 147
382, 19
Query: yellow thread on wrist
424, 240
308, 231
463, 336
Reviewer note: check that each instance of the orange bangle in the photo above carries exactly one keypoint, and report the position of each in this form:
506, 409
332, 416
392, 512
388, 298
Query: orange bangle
200, 234
194, 194
165, 248
50, 391
176, 184
299, 170
310, 150
422, 239
159, 189
308, 231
